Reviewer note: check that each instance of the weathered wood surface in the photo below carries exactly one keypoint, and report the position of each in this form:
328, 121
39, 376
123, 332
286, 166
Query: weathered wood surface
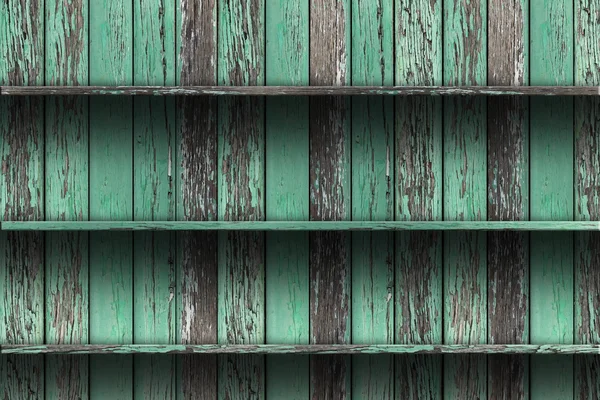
315, 90
587, 198
465, 143
551, 196
330, 59
378, 350
196, 185
508, 197
153, 199
22, 196
111, 197
372, 255
418, 197
287, 197
66, 184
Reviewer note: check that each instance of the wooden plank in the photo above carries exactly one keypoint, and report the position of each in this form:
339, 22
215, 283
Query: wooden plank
418, 169
21, 196
197, 197
111, 198
241, 191
428, 350
548, 226
587, 199
66, 186
372, 126
153, 187
551, 196
314, 90
329, 183
508, 196
287, 174
465, 169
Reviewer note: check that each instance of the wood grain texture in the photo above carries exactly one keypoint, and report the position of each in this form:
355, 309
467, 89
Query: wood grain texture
551, 196
287, 174
241, 169
418, 169
21, 197
153, 188
508, 196
66, 185
465, 143
587, 198
196, 172
111, 197
329, 182
372, 125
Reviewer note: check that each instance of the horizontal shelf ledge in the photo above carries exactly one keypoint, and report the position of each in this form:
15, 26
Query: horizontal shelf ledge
301, 349
300, 90
302, 226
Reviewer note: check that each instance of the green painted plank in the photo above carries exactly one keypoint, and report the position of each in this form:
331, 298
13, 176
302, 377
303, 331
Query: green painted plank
372, 149
66, 184
196, 187
287, 274
560, 352
465, 186
21, 196
418, 182
587, 199
329, 180
111, 197
547, 226
508, 197
153, 186
241, 166
551, 196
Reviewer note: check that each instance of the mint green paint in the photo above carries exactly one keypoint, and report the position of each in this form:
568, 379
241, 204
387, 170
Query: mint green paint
551, 152
111, 163
287, 275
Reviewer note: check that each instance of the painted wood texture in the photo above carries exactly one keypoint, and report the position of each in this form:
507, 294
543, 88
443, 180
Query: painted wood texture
551, 153
508, 197
287, 197
66, 197
22, 197
196, 185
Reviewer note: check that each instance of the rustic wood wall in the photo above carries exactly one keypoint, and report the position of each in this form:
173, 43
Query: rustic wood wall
330, 158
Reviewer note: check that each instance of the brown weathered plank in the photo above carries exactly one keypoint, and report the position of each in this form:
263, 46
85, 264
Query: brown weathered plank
508, 139
329, 180
196, 175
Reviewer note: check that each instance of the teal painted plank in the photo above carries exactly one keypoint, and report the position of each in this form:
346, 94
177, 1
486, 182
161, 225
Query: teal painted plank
372, 127
287, 274
21, 196
465, 187
296, 351
587, 199
66, 184
153, 187
241, 163
196, 187
111, 198
551, 153
418, 170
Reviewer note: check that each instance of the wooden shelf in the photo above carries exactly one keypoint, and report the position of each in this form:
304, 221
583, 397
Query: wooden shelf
302, 349
302, 226
301, 90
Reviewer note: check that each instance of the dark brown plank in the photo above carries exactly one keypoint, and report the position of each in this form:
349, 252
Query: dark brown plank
196, 173
508, 138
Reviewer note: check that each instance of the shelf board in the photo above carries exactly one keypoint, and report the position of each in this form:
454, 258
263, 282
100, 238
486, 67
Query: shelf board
301, 349
301, 90
301, 226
